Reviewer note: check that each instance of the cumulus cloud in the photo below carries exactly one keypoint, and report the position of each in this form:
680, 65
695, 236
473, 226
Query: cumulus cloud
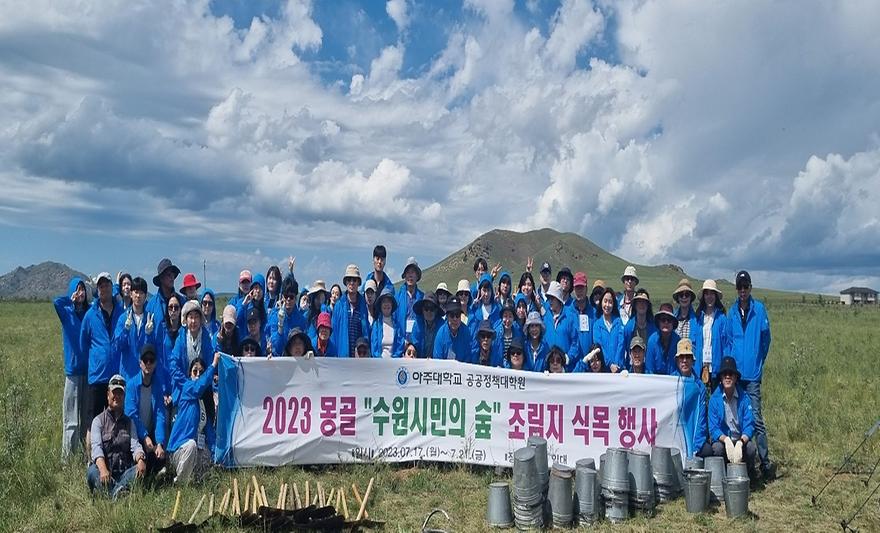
398, 10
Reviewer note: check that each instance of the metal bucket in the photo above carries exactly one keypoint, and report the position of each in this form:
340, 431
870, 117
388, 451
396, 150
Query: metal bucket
616, 511
736, 496
679, 469
499, 513
540, 446
560, 496
641, 478
526, 482
602, 460
587, 493
737, 470
616, 476
661, 465
715, 465
696, 490
588, 462
693, 463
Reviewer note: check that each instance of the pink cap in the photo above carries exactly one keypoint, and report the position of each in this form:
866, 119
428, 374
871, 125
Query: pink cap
324, 320
580, 279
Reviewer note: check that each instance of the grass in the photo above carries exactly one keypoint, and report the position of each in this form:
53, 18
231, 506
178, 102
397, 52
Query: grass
821, 394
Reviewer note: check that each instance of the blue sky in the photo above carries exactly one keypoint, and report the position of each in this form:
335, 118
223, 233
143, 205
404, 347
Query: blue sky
714, 136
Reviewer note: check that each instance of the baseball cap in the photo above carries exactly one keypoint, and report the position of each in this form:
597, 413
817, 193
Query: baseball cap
545, 267
743, 279
116, 382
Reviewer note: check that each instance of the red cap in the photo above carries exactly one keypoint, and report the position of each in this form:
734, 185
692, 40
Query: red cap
580, 279
189, 280
245, 275
324, 320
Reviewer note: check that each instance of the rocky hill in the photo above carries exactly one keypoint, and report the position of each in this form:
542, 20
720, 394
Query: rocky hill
37, 282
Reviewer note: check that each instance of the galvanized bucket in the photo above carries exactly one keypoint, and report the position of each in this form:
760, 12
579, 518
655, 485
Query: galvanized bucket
602, 460
679, 469
560, 496
526, 482
696, 490
736, 496
587, 462
587, 494
693, 463
499, 513
715, 465
616, 474
661, 464
737, 470
616, 511
540, 446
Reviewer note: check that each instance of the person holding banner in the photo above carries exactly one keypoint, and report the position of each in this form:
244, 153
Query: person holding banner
428, 321
410, 351
637, 355
731, 420
286, 316
485, 351
322, 344
608, 332
226, 340
536, 347
193, 344
557, 360
693, 405
593, 361
387, 336
662, 344
192, 435
454, 338
350, 314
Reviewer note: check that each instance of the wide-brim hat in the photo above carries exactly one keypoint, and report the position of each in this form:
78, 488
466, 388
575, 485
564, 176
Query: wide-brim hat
629, 272
412, 263
318, 286
297, 333
430, 299
534, 319
486, 328
710, 285
684, 347
728, 364
665, 310
164, 265
190, 281
453, 305
463, 286
442, 287
683, 287
599, 284
641, 296
516, 344
352, 271
387, 294
555, 290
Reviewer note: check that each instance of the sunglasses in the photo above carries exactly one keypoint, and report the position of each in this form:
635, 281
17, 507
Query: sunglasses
149, 361
516, 354
207, 302
173, 307
249, 349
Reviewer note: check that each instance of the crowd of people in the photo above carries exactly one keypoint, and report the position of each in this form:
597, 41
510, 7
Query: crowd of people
140, 368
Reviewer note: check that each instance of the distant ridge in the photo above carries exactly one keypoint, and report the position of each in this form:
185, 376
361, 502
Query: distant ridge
37, 282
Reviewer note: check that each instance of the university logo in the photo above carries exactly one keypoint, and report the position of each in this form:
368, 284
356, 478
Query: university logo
402, 377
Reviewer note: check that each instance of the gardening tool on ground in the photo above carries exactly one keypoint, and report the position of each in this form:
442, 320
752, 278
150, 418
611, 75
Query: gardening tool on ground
426, 529
847, 459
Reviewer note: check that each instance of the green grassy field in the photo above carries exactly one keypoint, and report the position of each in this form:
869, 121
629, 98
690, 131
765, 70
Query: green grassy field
821, 394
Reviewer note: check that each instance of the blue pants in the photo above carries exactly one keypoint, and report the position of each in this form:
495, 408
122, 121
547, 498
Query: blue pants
117, 483
753, 389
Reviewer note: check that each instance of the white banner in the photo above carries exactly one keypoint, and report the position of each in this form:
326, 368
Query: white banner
337, 410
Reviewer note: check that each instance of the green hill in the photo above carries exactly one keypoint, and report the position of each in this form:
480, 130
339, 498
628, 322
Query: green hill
511, 249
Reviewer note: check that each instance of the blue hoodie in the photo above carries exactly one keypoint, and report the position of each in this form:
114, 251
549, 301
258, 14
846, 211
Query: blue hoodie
377, 333
448, 347
658, 360
611, 341
242, 310
692, 411
178, 364
405, 306
278, 337
718, 421
213, 324
476, 312
536, 359
499, 337
95, 340
719, 339
331, 350
133, 408
128, 343
423, 337
583, 323
504, 274
340, 318
75, 364
563, 332
186, 425
749, 345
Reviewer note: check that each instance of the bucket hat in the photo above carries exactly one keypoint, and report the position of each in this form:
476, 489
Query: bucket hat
710, 285
323, 320
164, 265
684, 347
429, 301
463, 285
190, 281
629, 272
534, 318
728, 364
189, 307
555, 290
684, 286
352, 271
441, 287
318, 286
453, 305
412, 263
485, 329
666, 310
387, 294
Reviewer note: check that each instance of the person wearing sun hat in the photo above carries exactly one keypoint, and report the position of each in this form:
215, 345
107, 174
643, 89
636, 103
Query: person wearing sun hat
190, 286
692, 401
731, 418
96, 341
386, 335
285, 316
166, 273
710, 336
559, 326
407, 296
641, 322
317, 297
463, 293
454, 338
596, 294
429, 318
662, 344
582, 310
350, 314
684, 297
145, 405
536, 346
193, 343
442, 293
748, 342
624, 302
322, 343
485, 351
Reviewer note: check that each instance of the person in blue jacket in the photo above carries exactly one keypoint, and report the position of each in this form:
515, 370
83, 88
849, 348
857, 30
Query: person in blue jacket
660, 356
516, 357
536, 347
521, 304
273, 288
507, 329
557, 360
191, 443
565, 279
748, 342
378, 275
625, 300
485, 351
131, 335
559, 326
255, 299
481, 267
731, 420
608, 332
209, 308
692, 402
429, 318
322, 342
286, 316
407, 296
485, 307
684, 297
387, 336
596, 294
317, 298
194, 342
526, 288
582, 311
166, 273
710, 338
145, 406
71, 309
350, 314
244, 286
96, 342
454, 338
164, 336
505, 289
641, 321
593, 362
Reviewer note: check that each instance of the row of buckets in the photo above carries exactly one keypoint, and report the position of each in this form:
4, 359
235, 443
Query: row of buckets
627, 482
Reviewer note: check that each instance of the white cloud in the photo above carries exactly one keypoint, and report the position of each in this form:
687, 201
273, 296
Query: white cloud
398, 10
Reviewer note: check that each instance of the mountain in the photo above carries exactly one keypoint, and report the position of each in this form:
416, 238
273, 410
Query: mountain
37, 282
511, 249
